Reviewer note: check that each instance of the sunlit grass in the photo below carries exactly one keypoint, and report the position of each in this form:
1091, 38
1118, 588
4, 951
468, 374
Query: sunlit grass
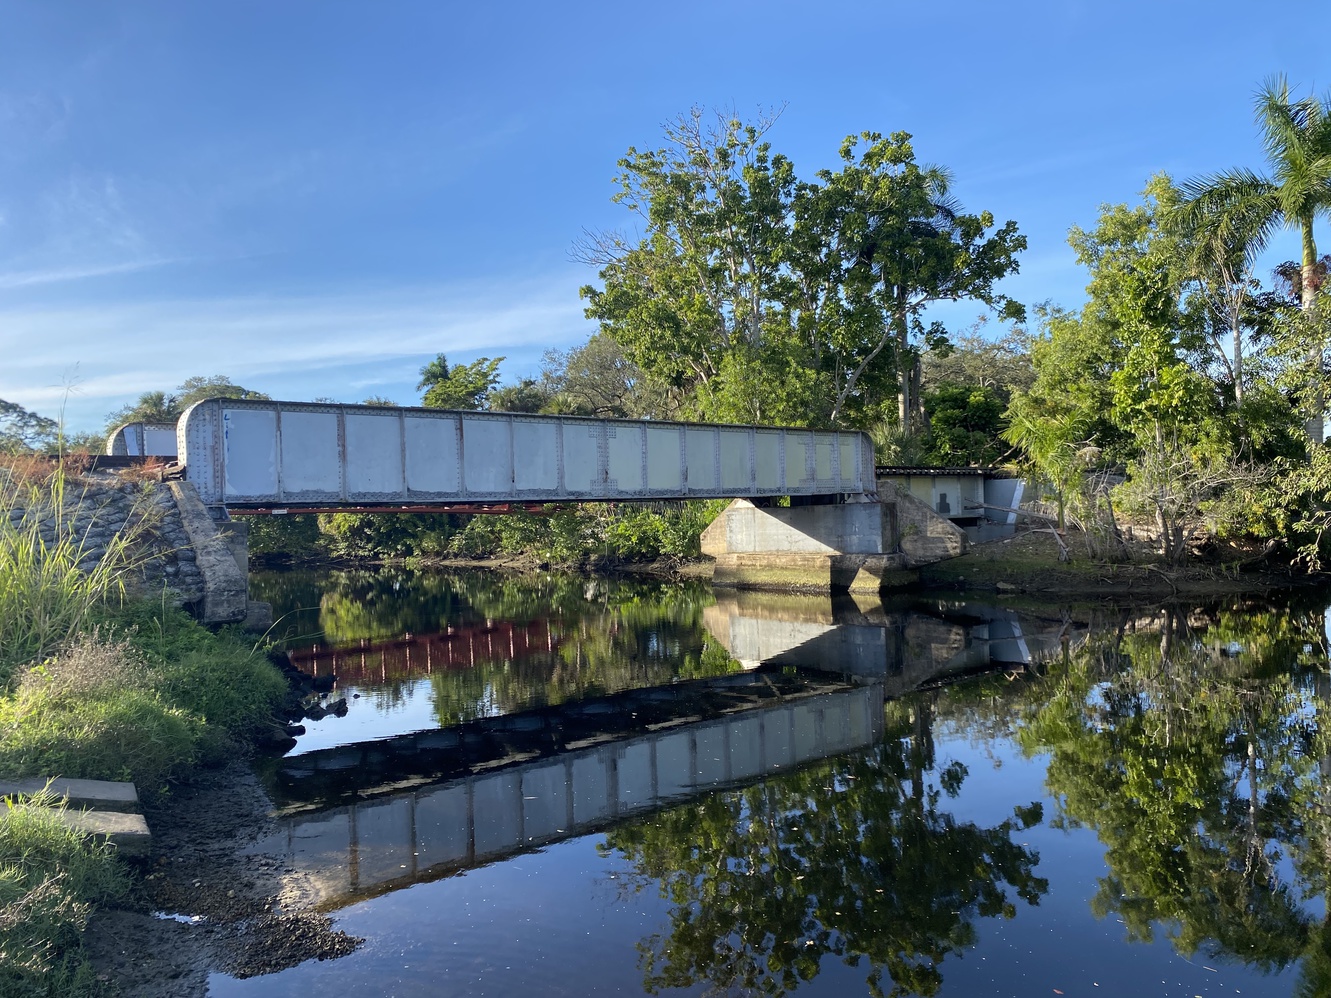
51, 878
48, 584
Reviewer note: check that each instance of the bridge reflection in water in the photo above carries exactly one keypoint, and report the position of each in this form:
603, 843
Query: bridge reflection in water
363, 819
354, 850
455, 648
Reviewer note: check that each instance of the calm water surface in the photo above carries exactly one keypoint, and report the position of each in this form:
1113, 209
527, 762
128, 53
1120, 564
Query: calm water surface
578, 787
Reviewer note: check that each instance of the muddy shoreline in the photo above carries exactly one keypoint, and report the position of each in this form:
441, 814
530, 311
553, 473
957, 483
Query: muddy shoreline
206, 905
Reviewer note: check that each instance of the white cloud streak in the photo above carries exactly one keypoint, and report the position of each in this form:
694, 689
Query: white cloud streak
56, 275
339, 343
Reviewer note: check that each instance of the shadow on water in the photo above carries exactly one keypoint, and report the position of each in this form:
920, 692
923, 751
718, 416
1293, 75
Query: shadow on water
781, 779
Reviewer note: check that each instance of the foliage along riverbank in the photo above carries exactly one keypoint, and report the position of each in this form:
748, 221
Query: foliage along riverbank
95, 683
662, 540
578, 536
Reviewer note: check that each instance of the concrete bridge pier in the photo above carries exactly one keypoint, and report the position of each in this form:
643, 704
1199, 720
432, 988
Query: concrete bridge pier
847, 547
221, 551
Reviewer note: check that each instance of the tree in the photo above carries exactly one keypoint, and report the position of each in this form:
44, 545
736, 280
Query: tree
903, 244
525, 395
964, 425
198, 388
755, 297
973, 359
1297, 138
1061, 424
21, 430
696, 302
1223, 240
167, 407
1127, 381
462, 386
598, 379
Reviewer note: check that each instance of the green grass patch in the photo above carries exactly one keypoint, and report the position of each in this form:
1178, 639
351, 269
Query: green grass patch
51, 878
145, 696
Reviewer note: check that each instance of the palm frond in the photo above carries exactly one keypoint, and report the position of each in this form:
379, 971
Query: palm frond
1235, 212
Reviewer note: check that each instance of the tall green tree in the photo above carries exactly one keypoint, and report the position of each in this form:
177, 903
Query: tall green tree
460, 386
900, 243
1130, 381
697, 301
753, 296
1296, 134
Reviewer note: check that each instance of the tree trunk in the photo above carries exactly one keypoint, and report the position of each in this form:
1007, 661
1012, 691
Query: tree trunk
905, 404
1236, 324
1307, 303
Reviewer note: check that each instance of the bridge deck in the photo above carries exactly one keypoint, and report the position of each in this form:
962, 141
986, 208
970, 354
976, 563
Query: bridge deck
264, 453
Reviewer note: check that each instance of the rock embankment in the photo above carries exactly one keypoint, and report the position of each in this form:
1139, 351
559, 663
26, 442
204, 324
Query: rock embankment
136, 525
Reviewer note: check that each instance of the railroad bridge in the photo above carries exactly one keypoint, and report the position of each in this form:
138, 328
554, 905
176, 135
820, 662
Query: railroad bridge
840, 531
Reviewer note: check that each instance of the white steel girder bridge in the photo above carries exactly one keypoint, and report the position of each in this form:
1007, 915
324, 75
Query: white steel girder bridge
253, 456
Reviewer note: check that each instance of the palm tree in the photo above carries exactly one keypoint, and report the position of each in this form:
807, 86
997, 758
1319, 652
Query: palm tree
1241, 209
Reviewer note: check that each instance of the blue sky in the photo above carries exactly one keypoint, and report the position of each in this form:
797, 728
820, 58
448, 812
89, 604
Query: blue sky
315, 198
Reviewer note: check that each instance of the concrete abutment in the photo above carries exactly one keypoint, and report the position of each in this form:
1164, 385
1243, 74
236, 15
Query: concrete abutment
221, 552
857, 547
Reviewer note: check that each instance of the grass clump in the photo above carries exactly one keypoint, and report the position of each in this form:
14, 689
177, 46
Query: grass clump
220, 678
144, 696
49, 585
51, 878
92, 712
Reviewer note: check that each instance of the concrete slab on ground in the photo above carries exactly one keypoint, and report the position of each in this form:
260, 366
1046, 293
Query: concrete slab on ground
101, 794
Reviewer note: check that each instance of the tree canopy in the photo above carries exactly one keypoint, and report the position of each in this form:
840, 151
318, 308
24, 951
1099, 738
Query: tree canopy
21, 430
461, 386
167, 407
753, 296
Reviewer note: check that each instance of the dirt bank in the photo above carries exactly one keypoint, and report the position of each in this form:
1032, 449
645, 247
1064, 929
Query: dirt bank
1030, 564
206, 905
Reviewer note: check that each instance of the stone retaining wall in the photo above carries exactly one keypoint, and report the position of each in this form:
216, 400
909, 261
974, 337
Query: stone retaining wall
99, 509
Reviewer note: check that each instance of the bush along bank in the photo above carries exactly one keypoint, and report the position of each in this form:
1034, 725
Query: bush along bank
579, 536
97, 683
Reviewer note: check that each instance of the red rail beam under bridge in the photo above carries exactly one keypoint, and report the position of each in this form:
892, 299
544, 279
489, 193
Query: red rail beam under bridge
460, 648
540, 509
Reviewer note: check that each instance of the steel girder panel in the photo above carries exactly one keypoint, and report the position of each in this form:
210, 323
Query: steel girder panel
143, 440
259, 452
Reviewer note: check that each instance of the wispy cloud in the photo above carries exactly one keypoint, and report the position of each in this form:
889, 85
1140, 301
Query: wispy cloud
55, 275
289, 347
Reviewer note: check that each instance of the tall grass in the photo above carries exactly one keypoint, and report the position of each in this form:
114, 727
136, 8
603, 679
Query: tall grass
46, 597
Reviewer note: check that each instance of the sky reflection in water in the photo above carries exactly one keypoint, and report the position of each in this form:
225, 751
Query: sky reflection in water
1141, 813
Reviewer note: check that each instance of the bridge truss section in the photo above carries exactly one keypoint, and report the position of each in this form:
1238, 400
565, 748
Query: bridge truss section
251, 453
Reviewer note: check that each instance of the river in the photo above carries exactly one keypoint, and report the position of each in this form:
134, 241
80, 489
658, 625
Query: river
570, 786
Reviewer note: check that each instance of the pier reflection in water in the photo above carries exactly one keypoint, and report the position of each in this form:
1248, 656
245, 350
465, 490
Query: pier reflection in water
794, 786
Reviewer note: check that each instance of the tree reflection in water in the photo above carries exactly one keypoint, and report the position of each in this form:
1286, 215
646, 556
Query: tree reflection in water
854, 858
1195, 746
